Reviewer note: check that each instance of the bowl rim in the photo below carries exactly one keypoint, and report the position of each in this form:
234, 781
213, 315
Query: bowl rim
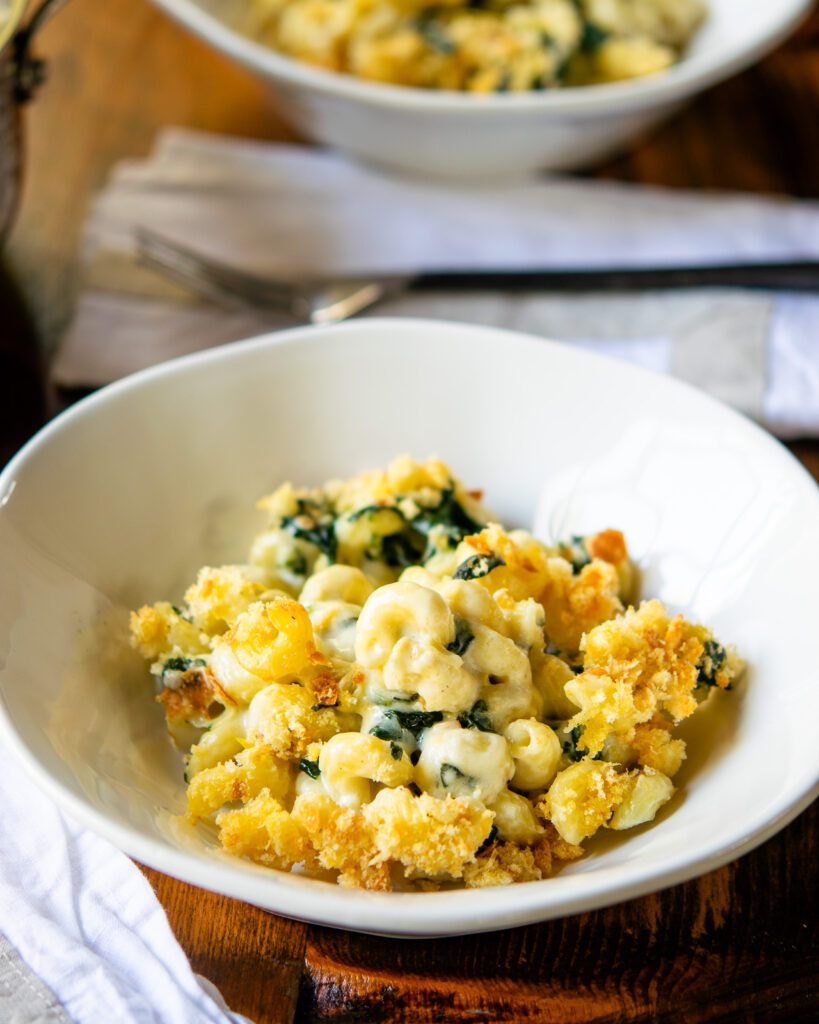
456, 912
690, 75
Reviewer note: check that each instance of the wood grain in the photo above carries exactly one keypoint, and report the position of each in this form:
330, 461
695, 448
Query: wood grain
737, 945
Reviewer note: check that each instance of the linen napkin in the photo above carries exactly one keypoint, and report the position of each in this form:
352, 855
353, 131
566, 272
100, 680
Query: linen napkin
83, 938
292, 212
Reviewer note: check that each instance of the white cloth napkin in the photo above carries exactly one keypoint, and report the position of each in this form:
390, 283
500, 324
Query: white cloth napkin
291, 211
85, 921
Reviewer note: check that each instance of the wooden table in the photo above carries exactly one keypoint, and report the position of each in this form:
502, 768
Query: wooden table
739, 944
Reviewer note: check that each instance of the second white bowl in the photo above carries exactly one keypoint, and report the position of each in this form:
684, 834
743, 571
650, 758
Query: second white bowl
455, 134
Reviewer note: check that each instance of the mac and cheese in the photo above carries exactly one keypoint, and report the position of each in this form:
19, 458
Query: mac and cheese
488, 46
395, 691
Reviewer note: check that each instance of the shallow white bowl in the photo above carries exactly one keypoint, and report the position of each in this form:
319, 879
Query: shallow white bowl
123, 497
452, 134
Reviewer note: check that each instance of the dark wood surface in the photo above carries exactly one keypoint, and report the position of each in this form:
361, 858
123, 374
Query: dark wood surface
738, 944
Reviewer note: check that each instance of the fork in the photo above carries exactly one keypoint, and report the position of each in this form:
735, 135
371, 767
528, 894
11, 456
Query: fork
320, 301
317, 301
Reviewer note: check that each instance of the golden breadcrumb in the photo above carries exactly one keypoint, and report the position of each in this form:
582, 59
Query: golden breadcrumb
264, 832
343, 841
523, 571
219, 596
160, 629
654, 654
427, 835
503, 863
582, 798
289, 720
576, 603
241, 778
656, 749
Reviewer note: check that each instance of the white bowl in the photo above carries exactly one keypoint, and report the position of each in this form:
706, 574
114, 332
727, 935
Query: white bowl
453, 134
124, 496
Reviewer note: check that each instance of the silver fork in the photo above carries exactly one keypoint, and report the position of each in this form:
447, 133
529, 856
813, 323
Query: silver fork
325, 302
315, 302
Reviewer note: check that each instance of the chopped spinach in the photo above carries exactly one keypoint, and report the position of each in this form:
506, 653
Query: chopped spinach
463, 637
322, 535
712, 660
570, 745
577, 553
396, 752
491, 838
182, 664
400, 550
296, 562
593, 37
387, 729
371, 510
450, 514
450, 774
477, 717
433, 32
394, 722
309, 767
313, 523
575, 752
476, 566
416, 721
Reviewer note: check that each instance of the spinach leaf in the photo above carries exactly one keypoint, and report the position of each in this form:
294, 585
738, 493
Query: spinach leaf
415, 721
433, 32
400, 550
450, 774
477, 717
575, 551
182, 664
593, 37
372, 510
387, 729
575, 752
463, 637
296, 562
396, 752
450, 514
712, 660
476, 566
309, 767
308, 528
395, 723
493, 835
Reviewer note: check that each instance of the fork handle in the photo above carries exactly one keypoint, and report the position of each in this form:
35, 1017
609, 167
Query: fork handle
798, 277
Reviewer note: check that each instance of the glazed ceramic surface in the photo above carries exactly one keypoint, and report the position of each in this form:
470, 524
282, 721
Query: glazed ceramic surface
452, 134
123, 497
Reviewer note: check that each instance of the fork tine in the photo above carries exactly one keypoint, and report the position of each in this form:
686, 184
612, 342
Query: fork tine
318, 302
218, 281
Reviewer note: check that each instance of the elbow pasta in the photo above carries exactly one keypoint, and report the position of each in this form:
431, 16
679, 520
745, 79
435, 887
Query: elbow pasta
492, 46
397, 690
